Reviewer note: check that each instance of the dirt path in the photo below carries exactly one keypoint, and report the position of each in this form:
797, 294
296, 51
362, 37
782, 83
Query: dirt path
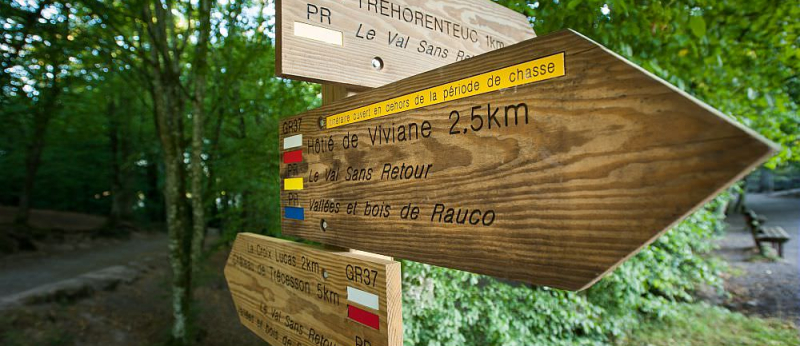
762, 287
22, 272
52, 219
132, 315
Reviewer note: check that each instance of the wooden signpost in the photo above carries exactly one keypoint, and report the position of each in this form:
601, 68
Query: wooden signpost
369, 43
549, 162
295, 294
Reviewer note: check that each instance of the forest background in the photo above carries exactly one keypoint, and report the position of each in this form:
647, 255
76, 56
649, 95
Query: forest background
164, 114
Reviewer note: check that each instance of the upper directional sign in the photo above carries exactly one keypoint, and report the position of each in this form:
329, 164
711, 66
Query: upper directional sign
549, 162
369, 43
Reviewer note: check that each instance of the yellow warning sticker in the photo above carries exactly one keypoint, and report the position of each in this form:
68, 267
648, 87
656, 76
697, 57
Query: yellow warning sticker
528, 72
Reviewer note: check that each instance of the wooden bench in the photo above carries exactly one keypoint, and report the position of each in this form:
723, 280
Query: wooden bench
775, 235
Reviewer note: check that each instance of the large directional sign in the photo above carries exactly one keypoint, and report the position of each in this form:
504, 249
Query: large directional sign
369, 43
299, 295
549, 162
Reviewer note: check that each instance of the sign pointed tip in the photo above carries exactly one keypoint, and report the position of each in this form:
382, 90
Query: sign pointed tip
774, 148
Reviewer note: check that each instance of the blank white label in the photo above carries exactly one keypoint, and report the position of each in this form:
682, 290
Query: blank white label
364, 298
318, 33
292, 142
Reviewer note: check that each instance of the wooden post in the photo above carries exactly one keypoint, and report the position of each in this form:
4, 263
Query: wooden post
334, 92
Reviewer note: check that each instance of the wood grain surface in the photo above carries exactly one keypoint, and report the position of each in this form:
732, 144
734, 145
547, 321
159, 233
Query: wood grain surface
611, 157
267, 278
433, 38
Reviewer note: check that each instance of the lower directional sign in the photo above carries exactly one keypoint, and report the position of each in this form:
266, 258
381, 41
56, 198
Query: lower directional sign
550, 161
296, 294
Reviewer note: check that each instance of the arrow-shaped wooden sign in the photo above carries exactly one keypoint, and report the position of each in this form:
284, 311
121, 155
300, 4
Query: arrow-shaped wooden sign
549, 162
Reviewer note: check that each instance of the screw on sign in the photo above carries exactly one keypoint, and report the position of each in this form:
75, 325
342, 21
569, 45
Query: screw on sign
549, 162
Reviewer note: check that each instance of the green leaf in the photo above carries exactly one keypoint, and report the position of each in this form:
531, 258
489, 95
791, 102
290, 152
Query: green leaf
572, 4
752, 94
698, 26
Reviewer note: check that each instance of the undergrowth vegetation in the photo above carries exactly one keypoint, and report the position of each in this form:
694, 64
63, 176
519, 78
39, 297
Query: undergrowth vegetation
444, 307
705, 325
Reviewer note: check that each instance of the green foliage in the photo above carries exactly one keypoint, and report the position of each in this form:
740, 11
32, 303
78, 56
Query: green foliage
247, 184
746, 68
698, 26
54, 77
76, 174
705, 325
243, 131
102, 60
448, 307
740, 57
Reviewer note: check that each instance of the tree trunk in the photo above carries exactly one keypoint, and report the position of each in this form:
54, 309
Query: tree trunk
122, 196
168, 108
116, 183
170, 133
154, 198
766, 180
127, 195
198, 119
32, 161
213, 153
244, 224
177, 225
741, 204
168, 95
41, 118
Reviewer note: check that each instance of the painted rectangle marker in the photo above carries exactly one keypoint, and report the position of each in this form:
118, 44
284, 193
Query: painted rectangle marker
364, 317
318, 33
293, 184
363, 298
294, 213
292, 142
293, 156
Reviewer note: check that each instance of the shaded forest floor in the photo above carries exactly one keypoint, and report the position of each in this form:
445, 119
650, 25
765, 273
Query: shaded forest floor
51, 219
51, 232
139, 315
132, 315
68, 245
131, 311
26, 271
